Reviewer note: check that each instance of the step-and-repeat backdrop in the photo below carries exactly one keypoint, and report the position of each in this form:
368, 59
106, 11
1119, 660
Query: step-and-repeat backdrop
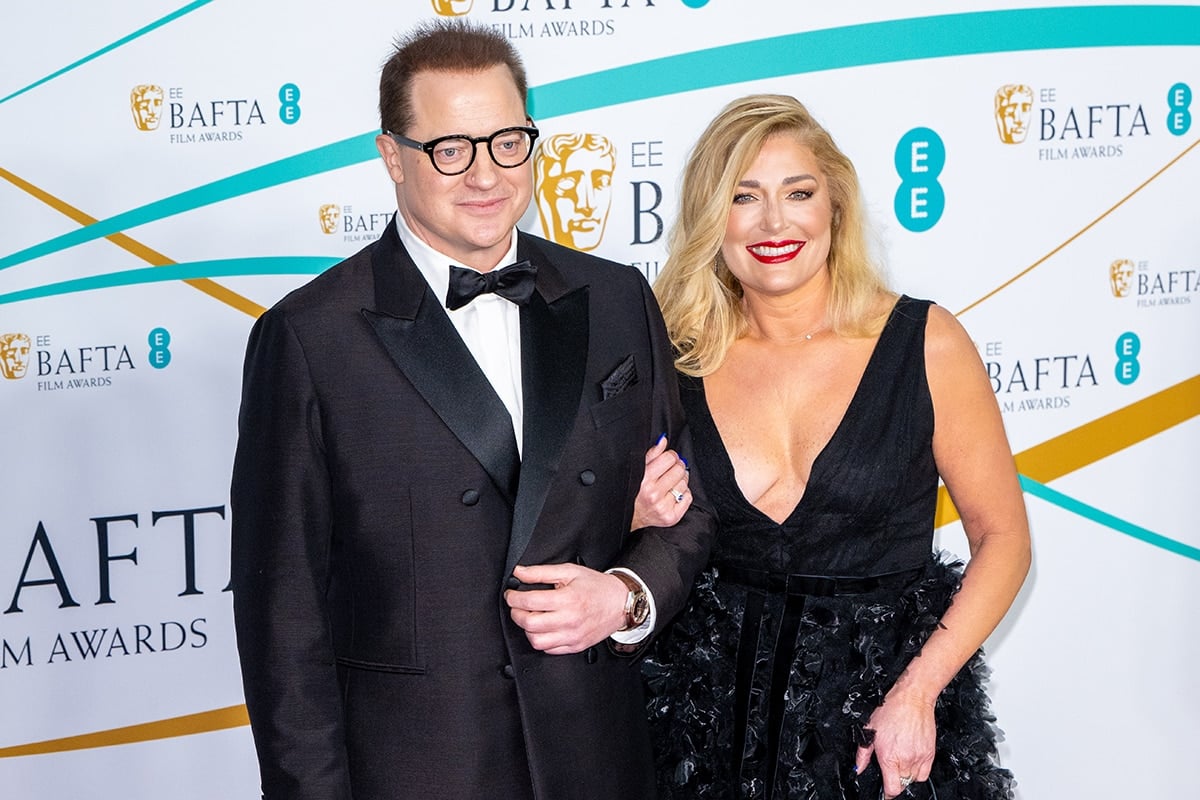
168, 170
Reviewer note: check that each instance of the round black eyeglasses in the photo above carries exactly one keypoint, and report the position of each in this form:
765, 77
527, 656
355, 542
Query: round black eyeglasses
454, 154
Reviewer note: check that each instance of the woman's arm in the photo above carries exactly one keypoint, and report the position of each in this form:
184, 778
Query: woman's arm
975, 462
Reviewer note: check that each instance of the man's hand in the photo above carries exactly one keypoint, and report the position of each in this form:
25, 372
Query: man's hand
584, 607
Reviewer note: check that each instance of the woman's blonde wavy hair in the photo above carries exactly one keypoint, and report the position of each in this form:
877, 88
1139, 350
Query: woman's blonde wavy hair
700, 297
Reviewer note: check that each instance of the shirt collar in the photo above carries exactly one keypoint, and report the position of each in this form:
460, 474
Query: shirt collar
435, 266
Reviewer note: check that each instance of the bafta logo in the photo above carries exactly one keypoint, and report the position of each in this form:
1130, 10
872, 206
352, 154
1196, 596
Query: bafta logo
574, 188
452, 8
1120, 277
329, 214
145, 101
1014, 106
14, 355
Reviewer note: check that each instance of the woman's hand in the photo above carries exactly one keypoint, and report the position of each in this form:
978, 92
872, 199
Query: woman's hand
663, 497
904, 742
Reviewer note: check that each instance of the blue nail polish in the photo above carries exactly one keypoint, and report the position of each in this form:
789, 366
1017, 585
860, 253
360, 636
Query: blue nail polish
685, 464
661, 436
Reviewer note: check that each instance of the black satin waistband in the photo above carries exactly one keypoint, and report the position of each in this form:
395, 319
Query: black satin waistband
812, 585
796, 588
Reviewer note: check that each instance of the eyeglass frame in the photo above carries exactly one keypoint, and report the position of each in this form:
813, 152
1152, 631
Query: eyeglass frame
429, 146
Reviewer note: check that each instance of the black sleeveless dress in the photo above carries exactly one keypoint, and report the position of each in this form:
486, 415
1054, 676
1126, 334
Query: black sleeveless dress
795, 632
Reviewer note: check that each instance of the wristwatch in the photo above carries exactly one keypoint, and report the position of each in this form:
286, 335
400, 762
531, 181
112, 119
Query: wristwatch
637, 605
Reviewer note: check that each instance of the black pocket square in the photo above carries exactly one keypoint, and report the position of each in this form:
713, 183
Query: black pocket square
621, 378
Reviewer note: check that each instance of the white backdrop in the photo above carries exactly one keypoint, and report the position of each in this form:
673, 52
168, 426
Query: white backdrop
135, 253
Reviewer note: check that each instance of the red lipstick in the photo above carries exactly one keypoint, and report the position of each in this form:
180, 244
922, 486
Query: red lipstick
775, 252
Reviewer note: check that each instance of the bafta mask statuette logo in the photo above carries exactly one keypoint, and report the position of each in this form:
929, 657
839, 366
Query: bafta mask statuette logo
452, 8
145, 101
14, 355
328, 215
574, 188
1014, 106
1120, 277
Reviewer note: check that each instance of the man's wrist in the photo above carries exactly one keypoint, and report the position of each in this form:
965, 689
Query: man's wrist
637, 604
635, 636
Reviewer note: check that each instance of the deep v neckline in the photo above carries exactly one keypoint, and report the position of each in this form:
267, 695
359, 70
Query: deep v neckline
813, 471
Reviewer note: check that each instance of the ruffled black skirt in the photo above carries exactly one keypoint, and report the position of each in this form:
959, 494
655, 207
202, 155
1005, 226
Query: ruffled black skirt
849, 651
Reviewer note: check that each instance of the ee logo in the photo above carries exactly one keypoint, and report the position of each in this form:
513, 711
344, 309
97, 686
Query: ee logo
920, 201
1128, 368
289, 103
160, 353
1179, 118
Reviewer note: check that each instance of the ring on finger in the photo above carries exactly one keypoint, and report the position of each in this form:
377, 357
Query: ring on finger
905, 780
678, 495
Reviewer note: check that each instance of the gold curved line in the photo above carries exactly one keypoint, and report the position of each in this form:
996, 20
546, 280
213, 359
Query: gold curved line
147, 254
187, 725
1082, 230
1098, 439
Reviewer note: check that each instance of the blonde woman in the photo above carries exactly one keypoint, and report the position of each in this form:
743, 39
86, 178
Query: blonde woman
827, 652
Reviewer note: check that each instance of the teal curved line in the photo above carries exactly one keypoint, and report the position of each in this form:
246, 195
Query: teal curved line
190, 270
124, 40
345, 153
870, 43
1094, 514
833, 48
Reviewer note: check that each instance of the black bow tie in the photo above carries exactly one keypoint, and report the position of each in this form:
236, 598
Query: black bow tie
514, 282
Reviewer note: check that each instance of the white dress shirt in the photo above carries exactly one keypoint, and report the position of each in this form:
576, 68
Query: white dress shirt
490, 325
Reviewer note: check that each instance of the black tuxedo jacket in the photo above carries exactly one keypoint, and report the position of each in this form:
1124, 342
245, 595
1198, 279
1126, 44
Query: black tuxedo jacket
379, 506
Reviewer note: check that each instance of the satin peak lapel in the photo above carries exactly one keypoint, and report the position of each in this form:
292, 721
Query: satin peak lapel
554, 348
428, 350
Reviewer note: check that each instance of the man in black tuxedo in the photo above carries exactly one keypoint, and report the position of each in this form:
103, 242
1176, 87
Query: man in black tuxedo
435, 478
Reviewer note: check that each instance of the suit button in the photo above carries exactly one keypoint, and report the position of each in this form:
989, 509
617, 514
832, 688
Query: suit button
470, 497
587, 477
512, 582
590, 656
508, 671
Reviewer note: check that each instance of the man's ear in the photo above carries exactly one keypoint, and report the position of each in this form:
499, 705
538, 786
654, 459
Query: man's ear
389, 151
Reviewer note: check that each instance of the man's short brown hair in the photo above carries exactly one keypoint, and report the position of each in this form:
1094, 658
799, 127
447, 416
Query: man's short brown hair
441, 46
